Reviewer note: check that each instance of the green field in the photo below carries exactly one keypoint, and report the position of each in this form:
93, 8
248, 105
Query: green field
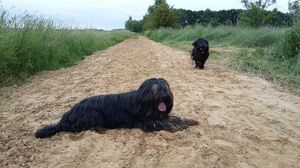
272, 53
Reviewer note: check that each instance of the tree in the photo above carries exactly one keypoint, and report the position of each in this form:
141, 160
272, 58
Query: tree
156, 4
160, 15
256, 15
294, 9
262, 4
133, 25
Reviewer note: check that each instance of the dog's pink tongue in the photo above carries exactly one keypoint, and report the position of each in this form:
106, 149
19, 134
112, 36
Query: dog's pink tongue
162, 106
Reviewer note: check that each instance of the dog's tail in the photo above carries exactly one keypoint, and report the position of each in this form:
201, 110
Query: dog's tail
47, 131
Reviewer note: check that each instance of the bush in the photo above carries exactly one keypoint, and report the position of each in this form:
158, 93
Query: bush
290, 43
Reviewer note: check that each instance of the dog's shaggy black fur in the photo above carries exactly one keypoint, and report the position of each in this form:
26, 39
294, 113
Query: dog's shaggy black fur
200, 52
147, 108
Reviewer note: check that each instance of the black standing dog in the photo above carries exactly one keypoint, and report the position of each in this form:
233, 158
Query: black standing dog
147, 108
200, 52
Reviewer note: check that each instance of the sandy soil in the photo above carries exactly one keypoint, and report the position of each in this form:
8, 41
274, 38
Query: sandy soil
245, 121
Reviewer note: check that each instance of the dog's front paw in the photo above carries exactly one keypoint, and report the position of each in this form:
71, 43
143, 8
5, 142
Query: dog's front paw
190, 122
173, 124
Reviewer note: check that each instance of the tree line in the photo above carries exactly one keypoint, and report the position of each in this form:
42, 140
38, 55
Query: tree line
160, 14
233, 17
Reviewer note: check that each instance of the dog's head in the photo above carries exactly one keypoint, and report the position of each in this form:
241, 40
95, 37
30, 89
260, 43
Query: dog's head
201, 45
156, 98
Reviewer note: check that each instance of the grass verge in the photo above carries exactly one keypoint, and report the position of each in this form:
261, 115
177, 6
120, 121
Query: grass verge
29, 44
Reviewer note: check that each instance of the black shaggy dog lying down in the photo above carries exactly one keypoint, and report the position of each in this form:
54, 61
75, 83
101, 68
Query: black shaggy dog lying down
147, 108
200, 52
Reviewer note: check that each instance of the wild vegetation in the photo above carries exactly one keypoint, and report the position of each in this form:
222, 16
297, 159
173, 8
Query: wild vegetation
262, 42
219, 36
272, 53
30, 44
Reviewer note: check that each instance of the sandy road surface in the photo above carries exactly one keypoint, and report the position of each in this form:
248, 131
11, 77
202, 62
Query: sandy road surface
245, 121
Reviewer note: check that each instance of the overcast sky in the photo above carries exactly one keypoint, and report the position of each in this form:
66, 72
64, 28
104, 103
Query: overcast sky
112, 14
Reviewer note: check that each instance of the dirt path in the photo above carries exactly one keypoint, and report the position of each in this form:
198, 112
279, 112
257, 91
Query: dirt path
245, 121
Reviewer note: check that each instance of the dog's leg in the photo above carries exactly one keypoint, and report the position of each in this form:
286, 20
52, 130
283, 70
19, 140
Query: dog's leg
148, 126
173, 123
201, 66
170, 124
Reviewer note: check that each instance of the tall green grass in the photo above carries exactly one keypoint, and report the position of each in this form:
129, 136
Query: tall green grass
272, 53
289, 46
267, 64
220, 36
29, 44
